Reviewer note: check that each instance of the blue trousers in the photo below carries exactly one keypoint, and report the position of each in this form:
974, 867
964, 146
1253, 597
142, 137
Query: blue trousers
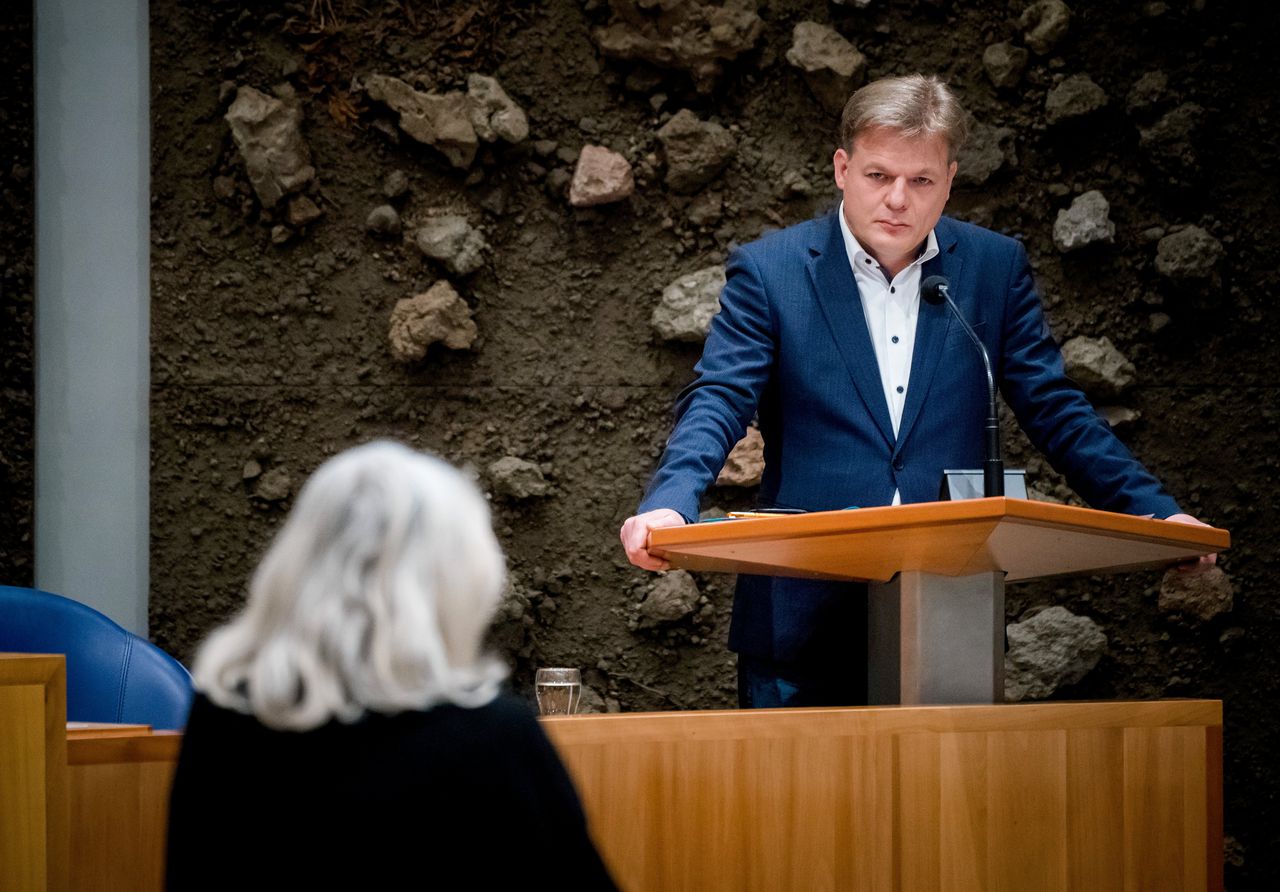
830, 681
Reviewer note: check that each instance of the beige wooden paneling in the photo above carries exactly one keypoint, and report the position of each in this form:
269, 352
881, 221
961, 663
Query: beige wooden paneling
120, 807
1062, 796
33, 772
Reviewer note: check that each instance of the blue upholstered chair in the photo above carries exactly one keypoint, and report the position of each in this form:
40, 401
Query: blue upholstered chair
112, 674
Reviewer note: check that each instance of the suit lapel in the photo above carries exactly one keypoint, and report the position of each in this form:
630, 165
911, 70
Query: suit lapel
932, 325
837, 293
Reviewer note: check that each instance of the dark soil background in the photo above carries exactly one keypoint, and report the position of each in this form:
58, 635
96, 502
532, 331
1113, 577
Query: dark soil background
268, 358
17, 265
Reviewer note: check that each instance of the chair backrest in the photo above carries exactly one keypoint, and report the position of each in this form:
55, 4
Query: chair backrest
113, 675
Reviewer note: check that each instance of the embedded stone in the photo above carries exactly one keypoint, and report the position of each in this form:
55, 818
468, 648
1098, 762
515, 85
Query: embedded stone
1076, 97
453, 241
986, 152
1118, 416
591, 702
1005, 63
268, 134
600, 177
1100, 369
383, 221
224, 187
1044, 24
438, 315
745, 464
705, 210
1086, 222
395, 184
274, 486
696, 151
688, 305
831, 65
671, 597
794, 185
302, 210
1201, 595
1190, 253
439, 120
1170, 141
1147, 93
516, 478
494, 114
689, 35
1051, 649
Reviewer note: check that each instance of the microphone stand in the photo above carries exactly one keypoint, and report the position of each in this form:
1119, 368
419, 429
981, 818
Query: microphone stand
937, 289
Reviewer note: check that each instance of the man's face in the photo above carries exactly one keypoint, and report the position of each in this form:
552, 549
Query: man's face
894, 190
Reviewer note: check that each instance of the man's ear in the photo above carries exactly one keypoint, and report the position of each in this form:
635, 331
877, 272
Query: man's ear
840, 167
951, 176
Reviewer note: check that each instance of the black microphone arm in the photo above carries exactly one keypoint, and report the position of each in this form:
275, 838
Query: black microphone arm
935, 290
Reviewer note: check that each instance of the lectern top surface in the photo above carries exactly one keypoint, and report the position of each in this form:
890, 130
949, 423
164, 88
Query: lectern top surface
1024, 539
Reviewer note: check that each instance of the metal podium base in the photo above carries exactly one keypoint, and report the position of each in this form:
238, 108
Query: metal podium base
936, 639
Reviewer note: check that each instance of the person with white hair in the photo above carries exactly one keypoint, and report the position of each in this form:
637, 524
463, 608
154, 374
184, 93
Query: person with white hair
348, 726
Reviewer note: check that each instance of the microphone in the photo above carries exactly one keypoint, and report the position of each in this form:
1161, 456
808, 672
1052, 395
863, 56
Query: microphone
936, 290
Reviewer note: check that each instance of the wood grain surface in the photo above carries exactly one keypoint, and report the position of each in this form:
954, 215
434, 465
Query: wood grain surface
1023, 539
33, 772
1054, 796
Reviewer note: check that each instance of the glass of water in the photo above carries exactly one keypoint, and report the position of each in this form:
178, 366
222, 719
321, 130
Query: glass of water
558, 691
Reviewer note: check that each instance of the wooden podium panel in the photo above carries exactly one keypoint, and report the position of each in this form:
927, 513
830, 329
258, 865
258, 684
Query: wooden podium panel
119, 777
82, 805
1054, 796
1025, 539
33, 772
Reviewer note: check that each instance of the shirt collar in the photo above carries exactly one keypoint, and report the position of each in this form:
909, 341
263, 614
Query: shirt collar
858, 257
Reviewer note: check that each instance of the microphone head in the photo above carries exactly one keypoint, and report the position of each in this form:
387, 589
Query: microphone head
934, 289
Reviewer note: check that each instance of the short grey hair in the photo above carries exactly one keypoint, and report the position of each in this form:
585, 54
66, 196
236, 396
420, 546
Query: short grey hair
915, 105
375, 596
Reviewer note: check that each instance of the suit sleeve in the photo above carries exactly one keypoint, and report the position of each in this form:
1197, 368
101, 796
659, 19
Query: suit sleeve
1058, 418
713, 412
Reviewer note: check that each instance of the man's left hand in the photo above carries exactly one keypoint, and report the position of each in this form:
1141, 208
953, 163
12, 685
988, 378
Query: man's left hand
1204, 562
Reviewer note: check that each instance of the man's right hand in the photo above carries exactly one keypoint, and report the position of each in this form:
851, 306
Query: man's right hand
635, 536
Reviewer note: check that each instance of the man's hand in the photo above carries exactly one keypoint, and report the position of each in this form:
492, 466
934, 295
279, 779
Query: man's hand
635, 536
1205, 561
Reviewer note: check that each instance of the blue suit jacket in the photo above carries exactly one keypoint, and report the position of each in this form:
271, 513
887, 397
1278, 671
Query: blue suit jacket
791, 343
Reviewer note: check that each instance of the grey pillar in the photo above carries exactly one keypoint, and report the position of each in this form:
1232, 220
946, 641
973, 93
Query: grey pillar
936, 639
92, 316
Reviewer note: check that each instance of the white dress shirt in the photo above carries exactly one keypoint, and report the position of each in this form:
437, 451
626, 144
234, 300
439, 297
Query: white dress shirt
891, 308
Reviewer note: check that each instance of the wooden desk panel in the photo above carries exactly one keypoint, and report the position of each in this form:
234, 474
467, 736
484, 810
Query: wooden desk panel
120, 807
33, 775
1087, 796
1053, 796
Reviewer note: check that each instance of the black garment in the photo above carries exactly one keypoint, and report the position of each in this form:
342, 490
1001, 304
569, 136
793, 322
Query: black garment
837, 678
447, 798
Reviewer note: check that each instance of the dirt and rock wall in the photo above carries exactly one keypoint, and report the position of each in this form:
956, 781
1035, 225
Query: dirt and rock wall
17, 332
496, 231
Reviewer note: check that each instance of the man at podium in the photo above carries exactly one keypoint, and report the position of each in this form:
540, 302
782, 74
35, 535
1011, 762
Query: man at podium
863, 391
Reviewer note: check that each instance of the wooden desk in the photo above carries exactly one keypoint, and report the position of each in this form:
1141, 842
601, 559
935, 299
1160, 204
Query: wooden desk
1025, 797
33, 776
1051, 796
82, 806
119, 778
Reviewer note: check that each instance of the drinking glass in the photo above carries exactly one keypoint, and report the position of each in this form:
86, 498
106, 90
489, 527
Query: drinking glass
558, 691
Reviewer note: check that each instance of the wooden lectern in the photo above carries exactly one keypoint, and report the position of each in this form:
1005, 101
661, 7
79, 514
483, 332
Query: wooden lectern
1069, 797
937, 572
